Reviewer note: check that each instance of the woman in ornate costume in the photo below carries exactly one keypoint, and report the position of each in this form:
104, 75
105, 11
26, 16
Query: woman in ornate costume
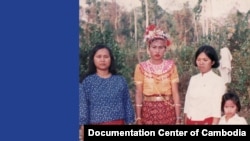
157, 98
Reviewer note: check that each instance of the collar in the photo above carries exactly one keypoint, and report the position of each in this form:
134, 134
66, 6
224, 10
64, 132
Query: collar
207, 74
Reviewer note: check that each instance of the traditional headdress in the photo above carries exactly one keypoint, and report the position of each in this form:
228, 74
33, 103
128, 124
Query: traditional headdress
152, 32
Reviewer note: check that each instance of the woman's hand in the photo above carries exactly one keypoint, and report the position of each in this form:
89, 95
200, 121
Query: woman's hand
178, 121
138, 122
81, 133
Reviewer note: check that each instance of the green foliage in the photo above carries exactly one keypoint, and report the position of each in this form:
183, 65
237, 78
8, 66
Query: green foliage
241, 31
185, 41
83, 52
240, 75
184, 58
97, 37
240, 47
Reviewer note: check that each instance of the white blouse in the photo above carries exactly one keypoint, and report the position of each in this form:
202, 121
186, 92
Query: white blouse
203, 97
236, 120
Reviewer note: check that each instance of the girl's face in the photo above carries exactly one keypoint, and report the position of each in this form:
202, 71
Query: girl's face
102, 59
204, 63
157, 49
230, 108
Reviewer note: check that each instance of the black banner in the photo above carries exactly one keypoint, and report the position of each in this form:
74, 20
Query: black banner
92, 132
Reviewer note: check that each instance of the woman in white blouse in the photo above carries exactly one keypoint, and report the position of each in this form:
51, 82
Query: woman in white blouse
203, 98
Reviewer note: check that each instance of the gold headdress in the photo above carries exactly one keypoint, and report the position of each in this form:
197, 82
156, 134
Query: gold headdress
152, 32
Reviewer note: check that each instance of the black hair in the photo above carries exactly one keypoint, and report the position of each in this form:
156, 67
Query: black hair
210, 52
91, 64
231, 96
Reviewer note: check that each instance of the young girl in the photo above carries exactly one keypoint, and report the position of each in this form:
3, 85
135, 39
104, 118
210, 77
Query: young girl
230, 106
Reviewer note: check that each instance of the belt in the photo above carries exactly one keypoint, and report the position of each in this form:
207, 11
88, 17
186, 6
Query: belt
156, 98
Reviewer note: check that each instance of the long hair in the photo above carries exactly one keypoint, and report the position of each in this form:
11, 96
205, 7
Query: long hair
91, 64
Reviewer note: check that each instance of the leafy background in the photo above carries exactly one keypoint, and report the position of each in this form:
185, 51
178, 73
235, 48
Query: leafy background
190, 27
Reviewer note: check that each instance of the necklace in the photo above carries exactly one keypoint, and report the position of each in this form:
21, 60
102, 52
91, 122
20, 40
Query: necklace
156, 71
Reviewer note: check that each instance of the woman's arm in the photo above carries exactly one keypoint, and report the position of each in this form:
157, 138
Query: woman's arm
186, 102
138, 102
177, 104
81, 133
215, 121
185, 119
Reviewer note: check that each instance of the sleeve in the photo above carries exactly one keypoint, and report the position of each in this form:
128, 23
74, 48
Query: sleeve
174, 75
138, 75
243, 121
219, 90
83, 105
187, 100
129, 108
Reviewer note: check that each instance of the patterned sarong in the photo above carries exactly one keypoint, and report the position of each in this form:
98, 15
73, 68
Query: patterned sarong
158, 113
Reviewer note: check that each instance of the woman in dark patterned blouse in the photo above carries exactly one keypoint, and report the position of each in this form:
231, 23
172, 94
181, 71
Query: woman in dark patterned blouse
104, 95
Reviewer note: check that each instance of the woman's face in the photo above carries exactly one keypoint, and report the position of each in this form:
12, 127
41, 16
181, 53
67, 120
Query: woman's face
102, 59
204, 63
157, 49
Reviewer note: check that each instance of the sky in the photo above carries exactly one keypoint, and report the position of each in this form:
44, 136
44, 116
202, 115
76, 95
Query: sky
219, 7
